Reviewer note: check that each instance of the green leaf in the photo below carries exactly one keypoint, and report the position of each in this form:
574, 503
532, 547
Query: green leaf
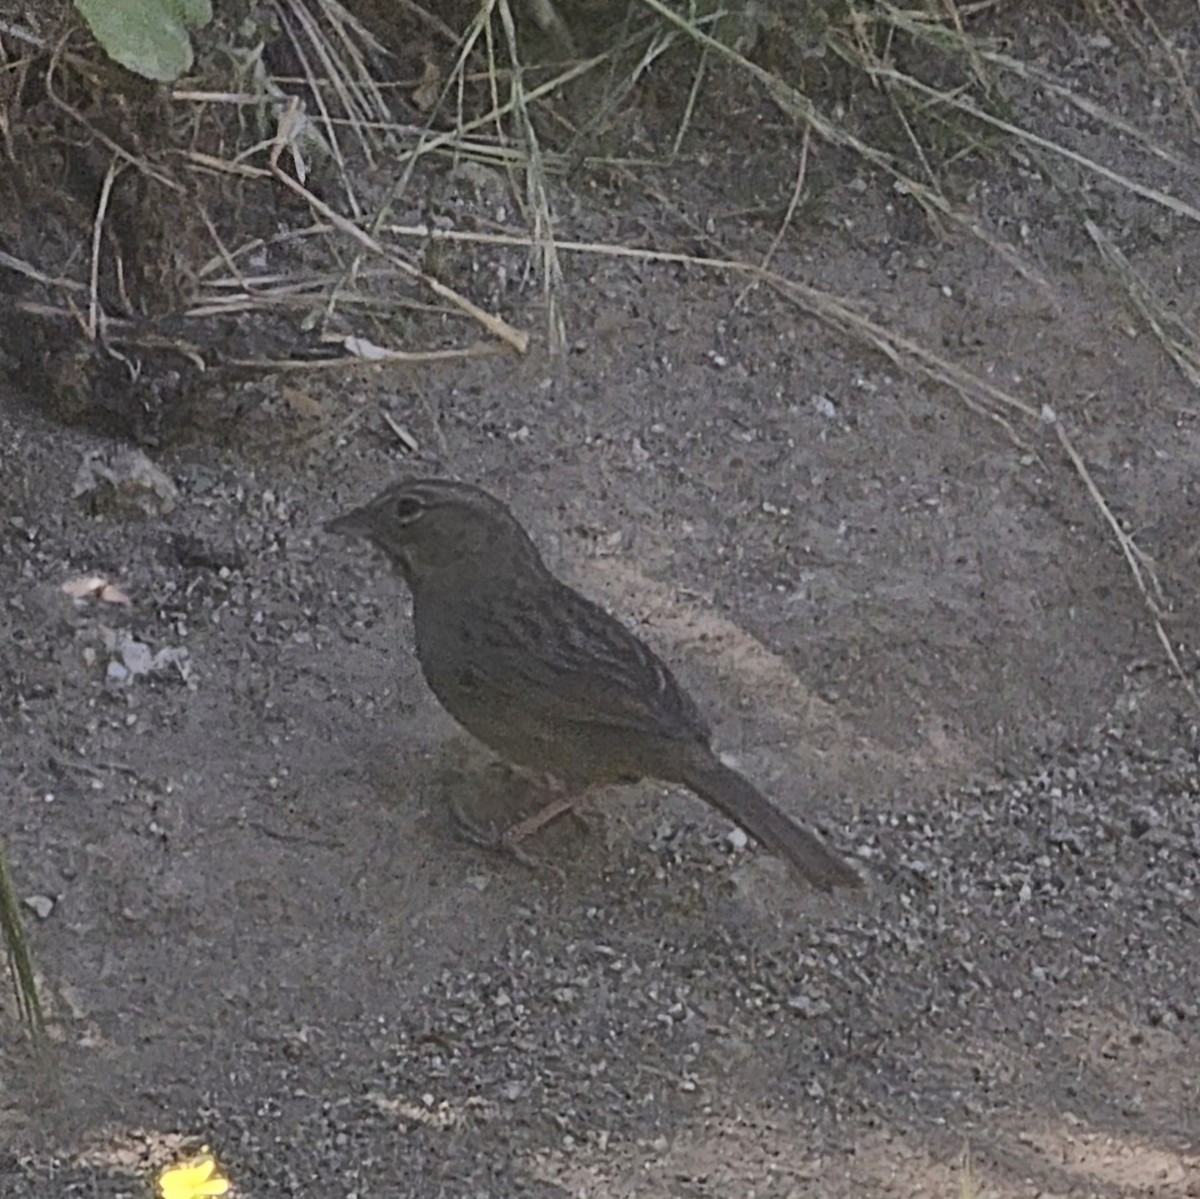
149, 37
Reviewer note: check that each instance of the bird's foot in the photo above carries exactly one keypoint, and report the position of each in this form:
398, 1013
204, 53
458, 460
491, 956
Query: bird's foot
487, 838
510, 840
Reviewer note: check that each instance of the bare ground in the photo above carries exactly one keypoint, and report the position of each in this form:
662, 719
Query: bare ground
263, 933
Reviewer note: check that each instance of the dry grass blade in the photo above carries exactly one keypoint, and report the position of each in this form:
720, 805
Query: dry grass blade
620, 85
785, 224
969, 45
966, 1176
690, 107
537, 195
97, 237
425, 17
971, 109
21, 267
525, 158
1180, 343
20, 963
833, 309
1140, 566
842, 315
454, 139
937, 38
801, 109
343, 66
1183, 74
965, 382
119, 151
359, 356
494, 324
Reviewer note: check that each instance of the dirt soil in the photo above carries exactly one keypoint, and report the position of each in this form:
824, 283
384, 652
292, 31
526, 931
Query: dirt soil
258, 928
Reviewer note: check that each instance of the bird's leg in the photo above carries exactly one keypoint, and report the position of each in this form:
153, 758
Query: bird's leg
510, 840
559, 806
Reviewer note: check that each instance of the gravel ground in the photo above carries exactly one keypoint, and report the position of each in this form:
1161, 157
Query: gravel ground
223, 784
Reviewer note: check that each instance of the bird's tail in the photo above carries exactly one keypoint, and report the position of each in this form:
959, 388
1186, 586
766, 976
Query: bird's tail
745, 805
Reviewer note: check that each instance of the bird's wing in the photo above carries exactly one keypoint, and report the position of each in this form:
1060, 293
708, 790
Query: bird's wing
569, 661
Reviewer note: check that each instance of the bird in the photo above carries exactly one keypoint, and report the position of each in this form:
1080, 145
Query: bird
549, 680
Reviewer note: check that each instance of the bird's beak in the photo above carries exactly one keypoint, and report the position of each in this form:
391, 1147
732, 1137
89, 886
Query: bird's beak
352, 524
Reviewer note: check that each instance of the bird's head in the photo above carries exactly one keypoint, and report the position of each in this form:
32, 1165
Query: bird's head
439, 528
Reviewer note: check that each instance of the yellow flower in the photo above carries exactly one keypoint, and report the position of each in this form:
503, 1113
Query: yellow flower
193, 1179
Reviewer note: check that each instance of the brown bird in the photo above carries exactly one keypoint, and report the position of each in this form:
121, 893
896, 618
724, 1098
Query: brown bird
548, 679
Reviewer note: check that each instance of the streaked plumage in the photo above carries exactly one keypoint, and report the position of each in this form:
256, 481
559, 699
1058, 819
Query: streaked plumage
545, 677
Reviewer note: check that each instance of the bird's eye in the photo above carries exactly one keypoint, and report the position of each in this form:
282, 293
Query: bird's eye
406, 509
